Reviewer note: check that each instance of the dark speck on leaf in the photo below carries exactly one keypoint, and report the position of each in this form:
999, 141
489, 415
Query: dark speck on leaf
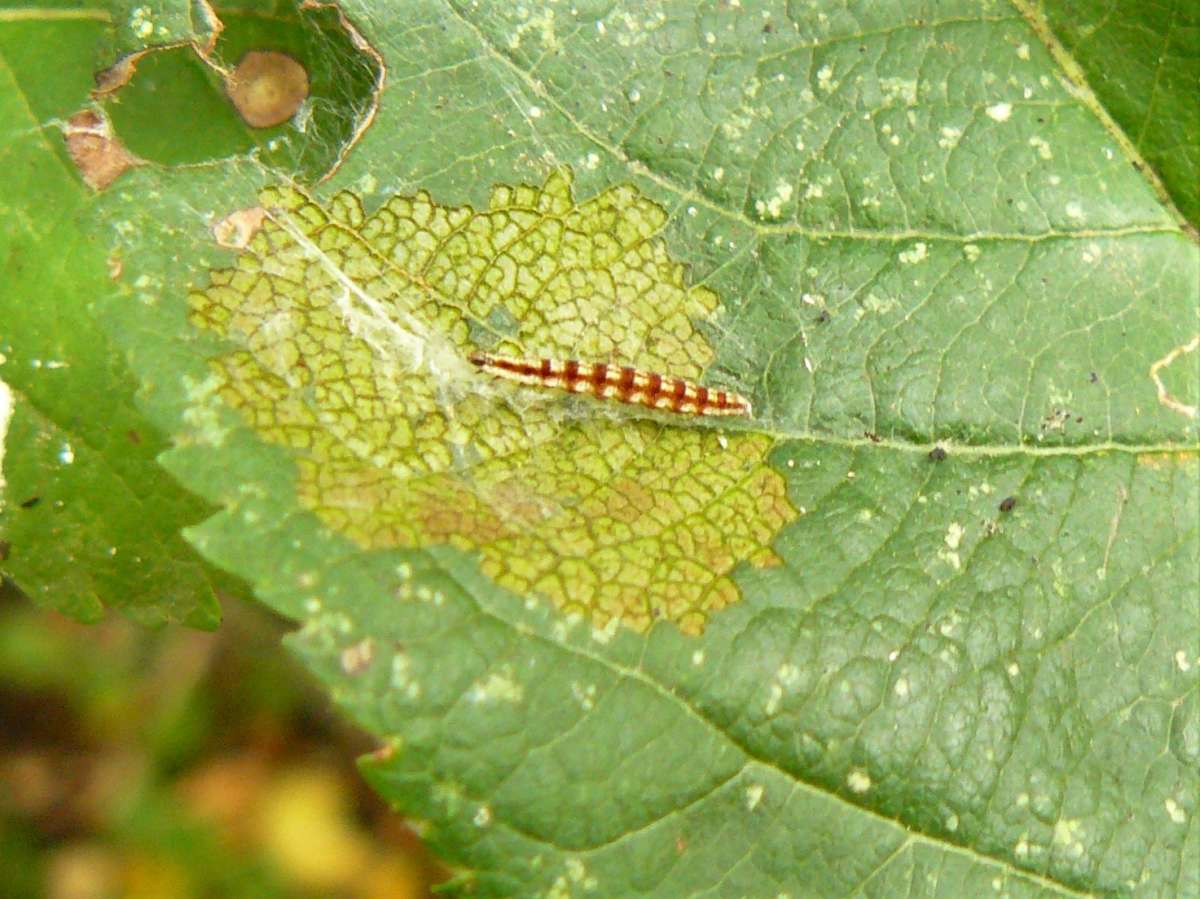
937, 454
31, 502
823, 317
134, 437
1093, 378
1007, 504
768, 28
5, 546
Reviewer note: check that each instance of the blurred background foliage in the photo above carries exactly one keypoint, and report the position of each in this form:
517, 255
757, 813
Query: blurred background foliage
173, 763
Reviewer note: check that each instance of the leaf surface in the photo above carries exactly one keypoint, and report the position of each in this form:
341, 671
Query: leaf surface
1142, 63
963, 318
87, 517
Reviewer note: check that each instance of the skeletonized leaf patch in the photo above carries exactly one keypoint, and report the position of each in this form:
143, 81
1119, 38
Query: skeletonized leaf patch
352, 335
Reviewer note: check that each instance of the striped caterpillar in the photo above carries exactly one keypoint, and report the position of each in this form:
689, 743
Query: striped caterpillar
616, 382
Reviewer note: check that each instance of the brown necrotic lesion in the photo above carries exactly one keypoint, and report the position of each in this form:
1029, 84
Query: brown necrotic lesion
633, 520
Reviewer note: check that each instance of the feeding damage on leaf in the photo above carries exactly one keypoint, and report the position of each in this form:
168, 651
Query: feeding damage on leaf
353, 336
100, 157
1188, 410
297, 96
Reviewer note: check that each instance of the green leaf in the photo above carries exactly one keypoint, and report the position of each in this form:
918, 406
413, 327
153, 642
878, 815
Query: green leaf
1143, 63
968, 328
87, 517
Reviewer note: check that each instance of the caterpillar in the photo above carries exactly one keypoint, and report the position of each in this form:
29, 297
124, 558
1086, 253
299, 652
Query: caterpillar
616, 382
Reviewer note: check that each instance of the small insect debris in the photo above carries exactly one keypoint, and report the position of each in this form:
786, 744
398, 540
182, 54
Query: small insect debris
621, 383
937, 454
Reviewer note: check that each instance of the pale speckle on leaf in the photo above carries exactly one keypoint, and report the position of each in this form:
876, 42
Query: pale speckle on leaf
754, 795
1174, 812
357, 658
498, 686
950, 137
954, 535
585, 695
774, 699
858, 781
918, 252
1000, 111
898, 90
1042, 146
1067, 833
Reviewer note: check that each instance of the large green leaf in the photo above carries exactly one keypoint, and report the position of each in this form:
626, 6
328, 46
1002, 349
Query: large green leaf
86, 517
969, 661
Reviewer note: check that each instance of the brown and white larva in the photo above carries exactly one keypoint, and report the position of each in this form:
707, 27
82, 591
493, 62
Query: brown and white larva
621, 383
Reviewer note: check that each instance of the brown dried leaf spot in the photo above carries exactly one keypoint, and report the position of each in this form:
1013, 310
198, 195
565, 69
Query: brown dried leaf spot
95, 150
235, 231
117, 75
267, 88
